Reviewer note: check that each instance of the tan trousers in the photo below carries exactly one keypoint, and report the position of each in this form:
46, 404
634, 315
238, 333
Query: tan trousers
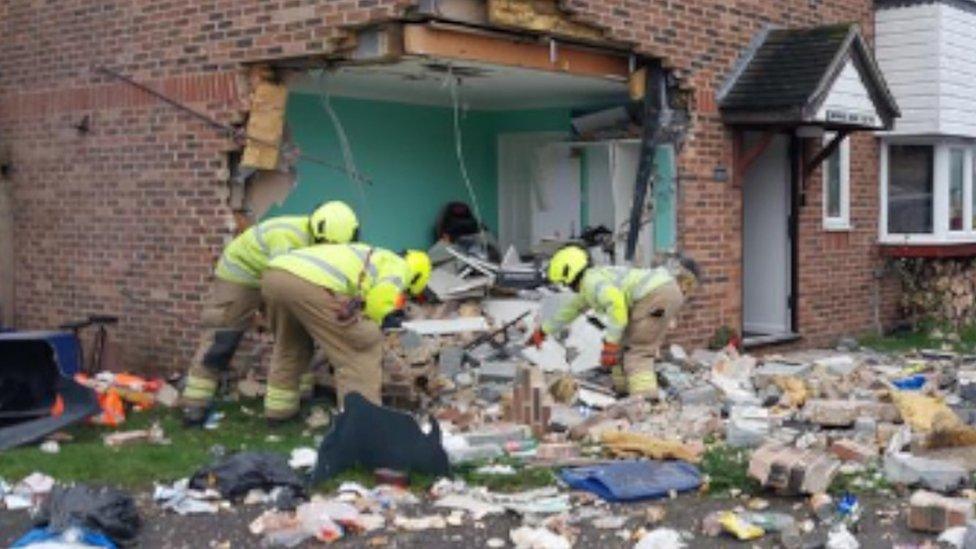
229, 309
300, 312
648, 326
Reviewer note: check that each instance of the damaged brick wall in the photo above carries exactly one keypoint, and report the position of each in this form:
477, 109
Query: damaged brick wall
129, 217
138, 205
701, 40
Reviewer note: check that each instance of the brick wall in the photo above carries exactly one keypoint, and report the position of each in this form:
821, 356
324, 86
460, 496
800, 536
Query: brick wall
128, 218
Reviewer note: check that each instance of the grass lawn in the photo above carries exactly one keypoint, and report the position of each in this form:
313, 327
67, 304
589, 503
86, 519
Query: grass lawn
963, 341
139, 464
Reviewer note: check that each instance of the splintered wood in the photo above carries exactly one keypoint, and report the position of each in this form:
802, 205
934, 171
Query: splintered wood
531, 403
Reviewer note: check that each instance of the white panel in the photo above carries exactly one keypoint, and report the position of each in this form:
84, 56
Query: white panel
518, 180
556, 207
906, 48
957, 73
927, 53
848, 99
599, 193
766, 245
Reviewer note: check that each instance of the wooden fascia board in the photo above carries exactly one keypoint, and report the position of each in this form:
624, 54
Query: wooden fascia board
446, 43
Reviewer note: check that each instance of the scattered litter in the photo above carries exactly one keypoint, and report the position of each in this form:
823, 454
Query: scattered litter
152, 435
50, 447
180, 499
526, 537
303, 458
318, 418
661, 538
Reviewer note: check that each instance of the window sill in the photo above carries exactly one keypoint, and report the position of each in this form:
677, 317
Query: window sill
929, 250
837, 227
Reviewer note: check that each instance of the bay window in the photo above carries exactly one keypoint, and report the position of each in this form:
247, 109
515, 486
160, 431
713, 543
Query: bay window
927, 191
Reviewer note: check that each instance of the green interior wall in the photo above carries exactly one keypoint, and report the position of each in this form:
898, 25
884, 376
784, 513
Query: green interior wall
408, 152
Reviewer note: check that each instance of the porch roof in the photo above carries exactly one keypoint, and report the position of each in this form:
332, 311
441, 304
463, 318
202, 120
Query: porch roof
824, 76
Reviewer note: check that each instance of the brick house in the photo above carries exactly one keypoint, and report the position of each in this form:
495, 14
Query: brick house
113, 201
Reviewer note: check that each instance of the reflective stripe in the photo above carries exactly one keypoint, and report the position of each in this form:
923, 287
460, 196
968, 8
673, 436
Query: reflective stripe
395, 280
261, 228
277, 399
199, 388
598, 289
614, 334
236, 269
641, 382
330, 269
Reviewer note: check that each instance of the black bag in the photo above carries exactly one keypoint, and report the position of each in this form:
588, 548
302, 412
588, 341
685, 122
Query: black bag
107, 510
238, 474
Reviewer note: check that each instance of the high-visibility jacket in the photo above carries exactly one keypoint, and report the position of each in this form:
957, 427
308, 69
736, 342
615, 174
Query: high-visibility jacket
611, 292
346, 269
247, 256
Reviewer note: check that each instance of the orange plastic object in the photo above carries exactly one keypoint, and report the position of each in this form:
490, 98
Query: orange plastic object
58, 408
113, 409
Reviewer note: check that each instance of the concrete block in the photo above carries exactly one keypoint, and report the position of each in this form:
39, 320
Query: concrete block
703, 395
851, 450
790, 471
843, 413
748, 427
930, 512
501, 371
841, 364
765, 373
941, 476
557, 450
449, 360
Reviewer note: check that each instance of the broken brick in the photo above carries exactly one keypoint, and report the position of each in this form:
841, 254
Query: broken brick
931, 512
851, 450
843, 413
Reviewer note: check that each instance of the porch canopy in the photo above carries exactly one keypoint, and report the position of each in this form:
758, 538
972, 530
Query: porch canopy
823, 76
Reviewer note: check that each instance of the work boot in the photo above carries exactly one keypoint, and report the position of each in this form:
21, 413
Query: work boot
195, 416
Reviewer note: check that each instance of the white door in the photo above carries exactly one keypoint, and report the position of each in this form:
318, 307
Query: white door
766, 246
538, 190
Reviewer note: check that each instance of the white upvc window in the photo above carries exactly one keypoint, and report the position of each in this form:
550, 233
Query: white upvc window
837, 187
927, 194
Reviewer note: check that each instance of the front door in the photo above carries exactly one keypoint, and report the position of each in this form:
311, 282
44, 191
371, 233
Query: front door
766, 242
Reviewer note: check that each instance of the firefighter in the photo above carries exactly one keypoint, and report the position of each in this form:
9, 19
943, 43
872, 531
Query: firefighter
337, 296
236, 295
638, 305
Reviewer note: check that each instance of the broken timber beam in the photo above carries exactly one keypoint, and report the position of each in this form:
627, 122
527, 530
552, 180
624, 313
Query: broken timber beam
444, 41
655, 104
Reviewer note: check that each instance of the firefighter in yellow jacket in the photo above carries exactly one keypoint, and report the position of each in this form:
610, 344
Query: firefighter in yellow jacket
637, 304
236, 294
337, 296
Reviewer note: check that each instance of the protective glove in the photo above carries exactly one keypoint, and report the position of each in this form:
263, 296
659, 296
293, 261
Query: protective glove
610, 356
538, 336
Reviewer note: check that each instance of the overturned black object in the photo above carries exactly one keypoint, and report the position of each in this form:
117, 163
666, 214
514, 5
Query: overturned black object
36, 369
238, 474
371, 436
107, 510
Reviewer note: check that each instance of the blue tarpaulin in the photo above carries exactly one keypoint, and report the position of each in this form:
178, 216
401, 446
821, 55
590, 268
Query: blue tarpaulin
633, 480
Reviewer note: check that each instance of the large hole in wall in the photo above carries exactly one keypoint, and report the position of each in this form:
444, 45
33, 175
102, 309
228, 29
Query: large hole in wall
539, 168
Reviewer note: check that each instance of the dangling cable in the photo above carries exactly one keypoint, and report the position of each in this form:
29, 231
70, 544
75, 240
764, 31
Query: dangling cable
452, 84
346, 149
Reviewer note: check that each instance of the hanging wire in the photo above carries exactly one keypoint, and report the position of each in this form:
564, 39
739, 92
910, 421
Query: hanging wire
452, 84
345, 148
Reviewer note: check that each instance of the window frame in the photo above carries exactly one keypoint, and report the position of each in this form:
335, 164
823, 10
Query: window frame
940, 192
843, 221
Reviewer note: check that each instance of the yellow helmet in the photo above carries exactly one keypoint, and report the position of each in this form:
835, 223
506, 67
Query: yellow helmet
418, 270
567, 265
334, 222
383, 299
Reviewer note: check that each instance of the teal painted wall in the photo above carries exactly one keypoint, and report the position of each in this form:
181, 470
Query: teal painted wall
408, 153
